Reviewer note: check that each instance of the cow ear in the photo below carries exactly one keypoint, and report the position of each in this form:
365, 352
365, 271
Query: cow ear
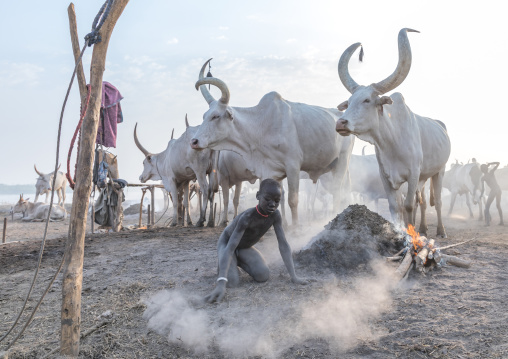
384, 100
149, 158
343, 106
229, 113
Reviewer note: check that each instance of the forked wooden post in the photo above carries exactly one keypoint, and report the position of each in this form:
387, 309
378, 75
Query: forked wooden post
74, 248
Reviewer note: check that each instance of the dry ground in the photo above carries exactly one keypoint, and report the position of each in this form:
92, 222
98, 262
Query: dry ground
164, 273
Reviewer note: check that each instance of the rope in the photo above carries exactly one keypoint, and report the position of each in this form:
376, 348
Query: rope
78, 128
90, 39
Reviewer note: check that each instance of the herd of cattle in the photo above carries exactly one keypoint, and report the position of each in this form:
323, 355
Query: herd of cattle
281, 139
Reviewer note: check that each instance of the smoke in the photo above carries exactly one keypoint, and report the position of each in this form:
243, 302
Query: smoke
344, 316
268, 324
170, 314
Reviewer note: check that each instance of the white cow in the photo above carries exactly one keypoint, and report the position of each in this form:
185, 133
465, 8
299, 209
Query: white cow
409, 148
38, 212
276, 138
464, 179
44, 182
176, 167
232, 171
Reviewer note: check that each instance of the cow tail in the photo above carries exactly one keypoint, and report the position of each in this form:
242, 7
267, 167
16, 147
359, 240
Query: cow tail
431, 199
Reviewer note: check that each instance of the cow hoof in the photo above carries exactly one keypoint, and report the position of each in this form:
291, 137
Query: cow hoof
224, 224
189, 223
442, 235
200, 224
173, 224
210, 224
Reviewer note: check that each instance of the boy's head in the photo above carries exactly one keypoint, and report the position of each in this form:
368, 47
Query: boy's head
484, 168
269, 195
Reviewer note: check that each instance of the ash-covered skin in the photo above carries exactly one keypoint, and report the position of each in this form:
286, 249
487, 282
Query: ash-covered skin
236, 244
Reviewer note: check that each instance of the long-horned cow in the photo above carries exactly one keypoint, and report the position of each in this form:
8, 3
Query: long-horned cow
38, 212
409, 148
44, 182
176, 167
276, 138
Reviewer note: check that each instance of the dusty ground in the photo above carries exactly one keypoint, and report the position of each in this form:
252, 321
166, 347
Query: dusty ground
153, 281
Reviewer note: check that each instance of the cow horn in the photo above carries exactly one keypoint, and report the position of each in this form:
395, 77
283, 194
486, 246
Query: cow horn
218, 83
172, 133
186, 121
141, 148
40, 174
344, 75
402, 70
206, 94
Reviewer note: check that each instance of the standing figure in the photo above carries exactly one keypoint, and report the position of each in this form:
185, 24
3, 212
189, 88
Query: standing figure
495, 191
236, 244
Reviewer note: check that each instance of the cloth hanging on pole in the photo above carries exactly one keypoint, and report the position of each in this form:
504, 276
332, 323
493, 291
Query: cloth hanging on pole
111, 114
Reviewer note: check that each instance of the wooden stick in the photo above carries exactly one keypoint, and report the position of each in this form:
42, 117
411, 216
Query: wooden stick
421, 257
141, 207
456, 261
404, 266
74, 249
5, 230
149, 212
455, 245
152, 201
393, 259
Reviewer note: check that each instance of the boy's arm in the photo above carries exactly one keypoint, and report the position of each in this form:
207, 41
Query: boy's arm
495, 164
225, 257
285, 250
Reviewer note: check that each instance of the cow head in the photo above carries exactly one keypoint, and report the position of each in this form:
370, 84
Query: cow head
217, 121
364, 109
150, 165
21, 206
44, 181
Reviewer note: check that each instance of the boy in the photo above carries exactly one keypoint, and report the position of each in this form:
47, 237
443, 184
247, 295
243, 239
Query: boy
495, 191
236, 244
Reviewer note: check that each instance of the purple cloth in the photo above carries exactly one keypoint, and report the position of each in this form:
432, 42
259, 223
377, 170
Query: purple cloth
111, 114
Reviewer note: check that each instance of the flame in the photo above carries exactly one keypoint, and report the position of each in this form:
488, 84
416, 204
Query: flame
416, 240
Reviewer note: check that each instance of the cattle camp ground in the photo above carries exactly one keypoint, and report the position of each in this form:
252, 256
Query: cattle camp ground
383, 207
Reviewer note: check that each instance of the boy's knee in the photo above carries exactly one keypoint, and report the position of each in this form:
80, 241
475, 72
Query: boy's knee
262, 276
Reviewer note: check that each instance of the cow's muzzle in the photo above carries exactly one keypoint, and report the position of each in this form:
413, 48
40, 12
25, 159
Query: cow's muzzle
341, 127
195, 145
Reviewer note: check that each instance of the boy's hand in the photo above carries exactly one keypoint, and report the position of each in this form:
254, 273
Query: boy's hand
217, 294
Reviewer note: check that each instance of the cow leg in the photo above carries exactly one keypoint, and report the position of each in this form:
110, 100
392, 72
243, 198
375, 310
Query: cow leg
480, 216
423, 207
225, 198
186, 204
391, 196
62, 189
437, 184
173, 190
293, 177
452, 202
203, 184
211, 217
468, 202
283, 205
236, 198
341, 183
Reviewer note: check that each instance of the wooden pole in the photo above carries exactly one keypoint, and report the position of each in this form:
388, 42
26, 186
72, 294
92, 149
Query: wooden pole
141, 207
76, 49
149, 219
74, 248
152, 201
5, 230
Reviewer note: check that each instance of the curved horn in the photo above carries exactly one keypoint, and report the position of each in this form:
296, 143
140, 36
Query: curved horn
218, 83
206, 94
187, 121
141, 148
402, 70
40, 174
172, 133
344, 75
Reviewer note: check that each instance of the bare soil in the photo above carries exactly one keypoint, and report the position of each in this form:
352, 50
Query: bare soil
153, 280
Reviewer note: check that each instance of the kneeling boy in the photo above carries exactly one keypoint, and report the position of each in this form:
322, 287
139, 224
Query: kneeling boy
236, 244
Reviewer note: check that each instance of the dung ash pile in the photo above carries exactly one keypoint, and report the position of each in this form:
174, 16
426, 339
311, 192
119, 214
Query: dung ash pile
352, 239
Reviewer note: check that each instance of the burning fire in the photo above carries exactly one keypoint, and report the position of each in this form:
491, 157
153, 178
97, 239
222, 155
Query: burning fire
416, 240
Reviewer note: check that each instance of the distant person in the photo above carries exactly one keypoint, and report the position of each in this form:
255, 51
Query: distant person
236, 244
495, 191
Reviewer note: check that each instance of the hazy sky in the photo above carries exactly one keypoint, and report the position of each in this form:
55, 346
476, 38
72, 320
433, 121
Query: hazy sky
460, 59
